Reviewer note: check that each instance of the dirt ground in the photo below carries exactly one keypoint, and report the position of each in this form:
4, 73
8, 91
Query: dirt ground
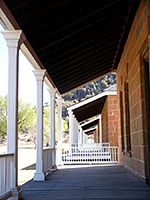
26, 161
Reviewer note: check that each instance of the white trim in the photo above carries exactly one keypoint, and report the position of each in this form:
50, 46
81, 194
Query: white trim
92, 99
90, 129
91, 121
5, 22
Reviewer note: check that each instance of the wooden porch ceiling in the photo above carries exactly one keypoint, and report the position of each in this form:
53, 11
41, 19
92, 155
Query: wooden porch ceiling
91, 124
90, 132
89, 110
76, 41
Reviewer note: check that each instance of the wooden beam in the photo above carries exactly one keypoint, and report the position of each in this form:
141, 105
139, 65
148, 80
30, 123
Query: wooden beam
83, 65
57, 68
79, 69
65, 50
63, 36
75, 82
69, 15
77, 50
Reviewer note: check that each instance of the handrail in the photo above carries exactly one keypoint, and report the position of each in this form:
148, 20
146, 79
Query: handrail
6, 165
91, 155
48, 158
6, 154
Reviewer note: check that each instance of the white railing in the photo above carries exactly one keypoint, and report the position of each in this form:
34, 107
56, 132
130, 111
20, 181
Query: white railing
48, 159
88, 145
91, 155
6, 165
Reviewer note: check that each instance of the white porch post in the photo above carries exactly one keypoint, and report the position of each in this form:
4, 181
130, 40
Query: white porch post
52, 92
70, 128
39, 174
81, 135
75, 131
13, 39
59, 145
59, 103
84, 138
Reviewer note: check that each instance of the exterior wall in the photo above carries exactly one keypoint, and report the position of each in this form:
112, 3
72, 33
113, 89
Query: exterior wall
109, 118
104, 119
131, 70
96, 135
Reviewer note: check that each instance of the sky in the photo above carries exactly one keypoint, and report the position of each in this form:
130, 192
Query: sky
27, 80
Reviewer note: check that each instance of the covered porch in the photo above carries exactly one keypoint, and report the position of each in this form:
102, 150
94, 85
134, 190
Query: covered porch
70, 45
88, 182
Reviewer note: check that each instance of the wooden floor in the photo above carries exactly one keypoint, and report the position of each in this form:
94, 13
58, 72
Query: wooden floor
88, 182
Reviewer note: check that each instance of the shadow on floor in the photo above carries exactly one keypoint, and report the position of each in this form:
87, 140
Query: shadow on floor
30, 167
88, 182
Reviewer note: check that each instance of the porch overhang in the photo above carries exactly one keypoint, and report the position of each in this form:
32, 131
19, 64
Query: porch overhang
90, 107
75, 41
90, 124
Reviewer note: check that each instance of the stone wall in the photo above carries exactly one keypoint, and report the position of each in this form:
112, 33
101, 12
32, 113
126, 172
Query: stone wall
109, 117
130, 86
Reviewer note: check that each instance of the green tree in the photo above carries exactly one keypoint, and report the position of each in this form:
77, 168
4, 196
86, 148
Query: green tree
26, 116
3, 115
46, 119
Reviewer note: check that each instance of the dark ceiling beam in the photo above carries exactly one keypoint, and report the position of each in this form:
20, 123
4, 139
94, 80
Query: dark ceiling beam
80, 80
66, 50
44, 35
80, 58
74, 86
41, 38
95, 32
83, 67
90, 66
83, 55
84, 73
37, 28
131, 13
41, 9
18, 4
77, 51
91, 124
75, 66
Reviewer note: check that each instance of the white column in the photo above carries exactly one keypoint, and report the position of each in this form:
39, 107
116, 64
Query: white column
81, 135
13, 39
59, 103
70, 128
59, 145
52, 92
75, 131
39, 174
84, 138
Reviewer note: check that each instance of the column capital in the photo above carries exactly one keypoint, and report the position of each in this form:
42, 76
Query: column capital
52, 91
39, 74
59, 100
70, 112
13, 37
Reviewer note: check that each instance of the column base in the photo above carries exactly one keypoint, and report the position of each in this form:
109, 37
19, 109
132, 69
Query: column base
16, 193
59, 157
39, 177
54, 168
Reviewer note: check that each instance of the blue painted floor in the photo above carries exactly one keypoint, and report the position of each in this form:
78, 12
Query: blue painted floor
88, 182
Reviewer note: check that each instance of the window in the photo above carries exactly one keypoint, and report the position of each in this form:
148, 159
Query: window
127, 116
122, 120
